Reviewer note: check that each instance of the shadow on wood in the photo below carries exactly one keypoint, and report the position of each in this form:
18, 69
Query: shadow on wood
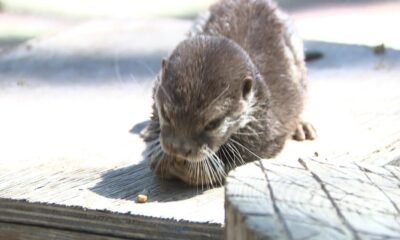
127, 182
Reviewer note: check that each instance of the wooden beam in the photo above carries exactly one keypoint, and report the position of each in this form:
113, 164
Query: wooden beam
75, 221
312, 199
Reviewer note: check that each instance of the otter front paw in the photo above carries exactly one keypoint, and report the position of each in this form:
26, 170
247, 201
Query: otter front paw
304, 131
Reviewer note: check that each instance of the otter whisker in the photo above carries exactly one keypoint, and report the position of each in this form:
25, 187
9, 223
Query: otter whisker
214, 168
216, 158
239, 158
252, 129
154, 153
153, 142
235, 156
189, 168
201, 171
223, 151
192, 170
201, 168
197, 167
237, 152
218, 166
261, 119
246, 134
245, 148
151, 150
196, 174
230, 150
206, 165
211, 170
220, 174
200, 174
216, 175
151, 147
206, 169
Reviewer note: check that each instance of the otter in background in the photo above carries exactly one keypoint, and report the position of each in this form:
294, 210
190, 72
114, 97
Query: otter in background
232, 92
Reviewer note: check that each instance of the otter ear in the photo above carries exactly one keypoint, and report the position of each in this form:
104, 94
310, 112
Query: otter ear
246, 87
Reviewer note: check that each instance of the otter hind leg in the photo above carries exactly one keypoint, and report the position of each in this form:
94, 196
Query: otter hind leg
304, 131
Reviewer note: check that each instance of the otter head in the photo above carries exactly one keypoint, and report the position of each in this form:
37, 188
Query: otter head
205, 93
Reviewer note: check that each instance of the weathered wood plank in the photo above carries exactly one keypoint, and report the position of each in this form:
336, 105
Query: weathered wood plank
102, 223
312, 199
72, 105
11, 231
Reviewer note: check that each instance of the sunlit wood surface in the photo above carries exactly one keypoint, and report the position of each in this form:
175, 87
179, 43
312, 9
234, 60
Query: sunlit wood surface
312, 199
72, 105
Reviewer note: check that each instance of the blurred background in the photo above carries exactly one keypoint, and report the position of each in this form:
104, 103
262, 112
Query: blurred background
351, 21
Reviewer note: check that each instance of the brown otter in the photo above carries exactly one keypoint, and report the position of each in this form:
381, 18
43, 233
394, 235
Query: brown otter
231, 93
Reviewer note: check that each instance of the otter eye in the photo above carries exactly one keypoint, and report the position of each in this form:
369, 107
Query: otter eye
214, 124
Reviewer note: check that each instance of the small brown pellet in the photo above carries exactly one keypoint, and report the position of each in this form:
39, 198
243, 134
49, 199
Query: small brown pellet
141, 198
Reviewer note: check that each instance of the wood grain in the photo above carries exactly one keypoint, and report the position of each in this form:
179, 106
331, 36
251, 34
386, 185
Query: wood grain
312, 199
11, 231
72, 105
100, 223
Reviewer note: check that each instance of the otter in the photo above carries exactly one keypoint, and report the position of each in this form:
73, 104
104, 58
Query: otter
231, 93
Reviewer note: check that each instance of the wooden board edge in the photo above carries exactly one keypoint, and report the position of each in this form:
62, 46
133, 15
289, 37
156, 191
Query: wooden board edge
103, 223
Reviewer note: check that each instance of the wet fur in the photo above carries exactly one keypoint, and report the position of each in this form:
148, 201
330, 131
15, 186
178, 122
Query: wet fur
238, 39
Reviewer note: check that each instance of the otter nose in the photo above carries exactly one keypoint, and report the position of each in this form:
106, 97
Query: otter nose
182, 148
177, 147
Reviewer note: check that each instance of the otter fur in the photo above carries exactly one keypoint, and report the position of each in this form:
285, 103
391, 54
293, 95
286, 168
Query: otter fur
232, 92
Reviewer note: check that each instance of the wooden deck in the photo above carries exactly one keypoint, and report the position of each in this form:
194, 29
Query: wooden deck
72, 105
312, 199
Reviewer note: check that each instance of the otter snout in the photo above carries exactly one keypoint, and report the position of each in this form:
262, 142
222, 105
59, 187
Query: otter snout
179, 148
